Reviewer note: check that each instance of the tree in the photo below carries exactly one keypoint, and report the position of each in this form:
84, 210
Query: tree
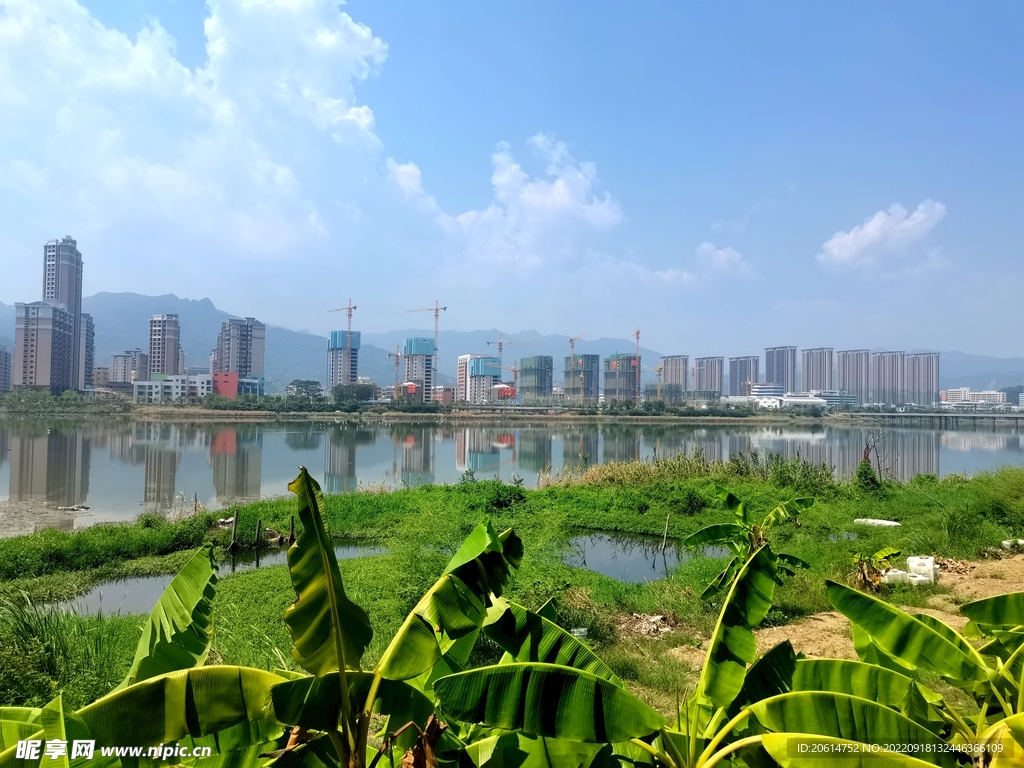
308, 388
360, 393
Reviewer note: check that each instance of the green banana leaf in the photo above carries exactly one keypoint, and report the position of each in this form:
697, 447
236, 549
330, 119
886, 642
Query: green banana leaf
838, 715
163, 709
529, 637
787, 510
734, 505
238, 746
770, 675
505, 750
180, 626
785, 750
732, 645
721, 580
549, 610
317, 753
999, 610
547, 700
17, 723
855, 678
313, 702
907, 638
715, 534
328, 630
448, 618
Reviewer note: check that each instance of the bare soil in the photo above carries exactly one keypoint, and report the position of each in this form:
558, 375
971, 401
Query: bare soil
828, 634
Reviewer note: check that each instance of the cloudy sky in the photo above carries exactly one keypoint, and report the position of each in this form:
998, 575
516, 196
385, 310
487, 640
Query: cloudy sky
725, 176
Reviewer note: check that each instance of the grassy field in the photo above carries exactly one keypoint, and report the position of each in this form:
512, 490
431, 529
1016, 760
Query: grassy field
421, 528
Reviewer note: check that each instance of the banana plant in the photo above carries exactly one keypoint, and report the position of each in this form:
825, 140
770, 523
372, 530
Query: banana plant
745, 536
993, 673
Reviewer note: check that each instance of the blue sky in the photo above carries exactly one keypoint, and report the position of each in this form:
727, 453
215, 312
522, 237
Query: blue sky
725, 176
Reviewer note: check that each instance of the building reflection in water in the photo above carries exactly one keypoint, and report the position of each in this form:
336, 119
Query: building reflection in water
164, 445
580, 447
52, 467
236, 458
340, 463
535, 449
417, 446
479, 450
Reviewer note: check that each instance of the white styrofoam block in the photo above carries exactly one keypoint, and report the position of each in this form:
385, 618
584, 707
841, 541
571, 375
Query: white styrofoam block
918, 578
873, 521
924, 566
1011, 543
895, 576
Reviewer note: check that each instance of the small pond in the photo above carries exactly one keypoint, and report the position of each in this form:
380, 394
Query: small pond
139, 594
631, 558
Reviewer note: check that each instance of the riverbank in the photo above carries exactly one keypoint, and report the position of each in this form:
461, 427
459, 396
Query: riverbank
420, 528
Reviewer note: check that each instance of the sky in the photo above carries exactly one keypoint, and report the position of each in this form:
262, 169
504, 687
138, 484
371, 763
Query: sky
723, 176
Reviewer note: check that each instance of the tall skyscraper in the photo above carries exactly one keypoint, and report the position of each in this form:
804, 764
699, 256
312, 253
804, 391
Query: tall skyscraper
131, 366
87, 353
462, 376
922, 378
816, 365
743, 372
240, 348
675, 369
418, 357
582, 378
62, 285
622, 378
780, 367
164, 349
44, 338
888, 378
482, 374
341, 369
710, 374
536, 377
5, 370
853, 373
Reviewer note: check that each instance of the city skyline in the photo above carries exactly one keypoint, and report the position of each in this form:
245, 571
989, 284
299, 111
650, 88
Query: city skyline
823, 194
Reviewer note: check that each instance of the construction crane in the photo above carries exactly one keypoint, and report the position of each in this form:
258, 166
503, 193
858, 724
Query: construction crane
515, 371
397, 354
572, 362
437, 309
659, 369
636, 362
501, 341
347, 377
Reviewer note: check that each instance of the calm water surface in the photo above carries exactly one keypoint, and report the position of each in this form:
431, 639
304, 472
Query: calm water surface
121, 469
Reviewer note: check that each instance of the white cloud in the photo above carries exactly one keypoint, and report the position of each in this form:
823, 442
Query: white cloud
885, 233
713, 261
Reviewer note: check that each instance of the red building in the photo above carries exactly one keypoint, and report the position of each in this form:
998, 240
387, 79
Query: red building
226, 384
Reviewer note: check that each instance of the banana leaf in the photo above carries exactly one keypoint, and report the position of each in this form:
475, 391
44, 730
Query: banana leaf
549, 610
715, 534
732, 645
770, 675
448, 618
838, 715
547, 700
316, 753
180, 626
787, 510
238, 746
1005, 610
328, 630
17, 723
907, 638
734, 505
518, 750
192, 702
529, 637
721, 580
785, 749
855, 678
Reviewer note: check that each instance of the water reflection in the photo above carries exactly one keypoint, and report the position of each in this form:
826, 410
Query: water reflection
159, 467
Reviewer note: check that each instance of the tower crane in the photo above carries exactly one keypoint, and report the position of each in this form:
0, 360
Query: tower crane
437, 309
347, 378
501, 341
636, 362
515, 371
572, 362
398, 356
659, 369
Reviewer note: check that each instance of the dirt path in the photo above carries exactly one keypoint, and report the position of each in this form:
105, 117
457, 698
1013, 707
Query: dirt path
828, 634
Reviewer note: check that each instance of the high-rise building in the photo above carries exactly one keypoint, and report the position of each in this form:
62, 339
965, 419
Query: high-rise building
164, 348
87, 353
888, 378
482, 373
536, 378
922, 378
743, 373
622, 378
343, 358
582, 378
5, 370
675, 369
240, 349
131, 366
100, 378
43, 340
780, 367
853, 373
462, 376
710, 374
62, 285
418, 357
816, 369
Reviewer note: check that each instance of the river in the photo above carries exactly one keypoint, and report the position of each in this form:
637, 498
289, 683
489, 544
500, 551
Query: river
121, 468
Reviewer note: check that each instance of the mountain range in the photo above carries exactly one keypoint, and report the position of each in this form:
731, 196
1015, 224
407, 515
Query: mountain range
122, 322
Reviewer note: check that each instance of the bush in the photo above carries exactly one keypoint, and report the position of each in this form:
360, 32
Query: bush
866, 478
